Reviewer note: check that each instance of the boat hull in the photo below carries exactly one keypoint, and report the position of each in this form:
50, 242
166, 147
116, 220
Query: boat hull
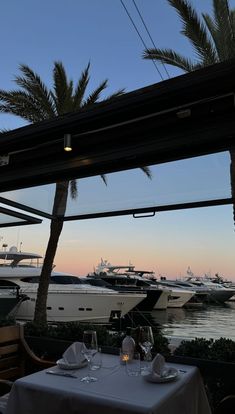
163, 300
75, 305
179, 299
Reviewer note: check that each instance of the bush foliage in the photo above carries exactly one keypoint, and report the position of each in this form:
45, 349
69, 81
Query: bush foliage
222, 349
73, 331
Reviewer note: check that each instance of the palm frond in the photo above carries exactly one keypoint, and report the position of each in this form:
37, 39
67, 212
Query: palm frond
232, 19
4, 130
21, 104
115, 95
195, 30
170, 57
223, 24
73, 189
81, 88
94, 96
147, 172
63, 89
103, 177
33, 85
212, 29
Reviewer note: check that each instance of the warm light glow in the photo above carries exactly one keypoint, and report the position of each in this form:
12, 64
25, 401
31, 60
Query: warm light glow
67, 142
124, 357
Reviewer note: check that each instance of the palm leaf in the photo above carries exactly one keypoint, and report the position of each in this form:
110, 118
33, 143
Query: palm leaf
195, 30
22, 104
212, 29
103, 177
170, 57
63, 89
94, 96
33, 85
120, 92
81, 88
224, 27
73, 189
232, 19
147, 172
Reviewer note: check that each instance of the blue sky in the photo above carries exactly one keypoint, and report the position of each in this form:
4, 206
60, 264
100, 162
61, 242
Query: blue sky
76, 32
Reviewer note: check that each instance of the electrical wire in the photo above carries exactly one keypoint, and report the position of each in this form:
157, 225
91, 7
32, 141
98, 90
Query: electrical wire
147, 30
141, 38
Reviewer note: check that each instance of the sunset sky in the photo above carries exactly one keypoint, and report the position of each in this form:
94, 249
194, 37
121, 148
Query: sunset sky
99, 31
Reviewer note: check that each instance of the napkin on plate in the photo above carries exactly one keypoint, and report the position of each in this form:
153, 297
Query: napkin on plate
73, 354
158, 366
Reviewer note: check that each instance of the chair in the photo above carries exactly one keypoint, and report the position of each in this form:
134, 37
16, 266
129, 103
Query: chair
226, 405
16, 360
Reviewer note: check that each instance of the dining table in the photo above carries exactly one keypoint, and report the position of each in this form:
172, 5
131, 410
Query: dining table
114, 392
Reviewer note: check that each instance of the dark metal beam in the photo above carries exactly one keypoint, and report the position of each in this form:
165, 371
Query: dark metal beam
148, 210
24, 219
184, 117
24, 207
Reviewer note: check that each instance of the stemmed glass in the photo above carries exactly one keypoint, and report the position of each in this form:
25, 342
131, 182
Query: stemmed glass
146, 341
90, 348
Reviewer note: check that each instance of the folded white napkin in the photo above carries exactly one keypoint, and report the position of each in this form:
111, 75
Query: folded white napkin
73, 354
158, 366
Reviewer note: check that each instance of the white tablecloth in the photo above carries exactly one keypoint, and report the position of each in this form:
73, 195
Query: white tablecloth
114, 393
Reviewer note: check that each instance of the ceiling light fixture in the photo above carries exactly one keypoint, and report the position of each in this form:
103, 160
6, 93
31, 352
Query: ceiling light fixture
67, 142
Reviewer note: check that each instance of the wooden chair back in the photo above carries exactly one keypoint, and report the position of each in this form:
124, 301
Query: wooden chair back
16, 358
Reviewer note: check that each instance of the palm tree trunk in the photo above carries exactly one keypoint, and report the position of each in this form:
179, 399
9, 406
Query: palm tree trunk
59, 208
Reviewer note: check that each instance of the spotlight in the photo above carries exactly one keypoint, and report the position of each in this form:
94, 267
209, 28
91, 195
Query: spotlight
67, 142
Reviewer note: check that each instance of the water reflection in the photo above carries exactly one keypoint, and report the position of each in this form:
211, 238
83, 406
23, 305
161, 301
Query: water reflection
208, 322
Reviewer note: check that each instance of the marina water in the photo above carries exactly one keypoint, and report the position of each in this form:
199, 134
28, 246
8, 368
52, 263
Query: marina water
206, 322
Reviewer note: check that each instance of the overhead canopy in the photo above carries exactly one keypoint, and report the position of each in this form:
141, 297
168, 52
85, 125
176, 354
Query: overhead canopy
188, 116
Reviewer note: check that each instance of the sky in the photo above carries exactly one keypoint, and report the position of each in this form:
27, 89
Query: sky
100, 32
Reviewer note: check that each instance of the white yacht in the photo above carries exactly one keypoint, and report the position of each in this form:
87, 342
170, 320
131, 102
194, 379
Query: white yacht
217, 292
126, 278
179, 296
68, 298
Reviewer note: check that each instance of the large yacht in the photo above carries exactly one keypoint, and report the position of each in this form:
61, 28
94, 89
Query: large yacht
69, 299
217, 293
126, 278
178, 296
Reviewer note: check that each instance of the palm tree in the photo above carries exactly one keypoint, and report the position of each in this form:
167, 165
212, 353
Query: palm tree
34, 102
213, 40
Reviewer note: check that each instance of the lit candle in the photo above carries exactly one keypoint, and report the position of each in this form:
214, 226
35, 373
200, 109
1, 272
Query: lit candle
124, 357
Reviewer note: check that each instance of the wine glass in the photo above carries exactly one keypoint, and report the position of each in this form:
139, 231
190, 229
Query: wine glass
146, 341
89, 349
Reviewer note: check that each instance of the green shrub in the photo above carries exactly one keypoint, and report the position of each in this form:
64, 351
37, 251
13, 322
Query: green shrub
213, 349
73, 331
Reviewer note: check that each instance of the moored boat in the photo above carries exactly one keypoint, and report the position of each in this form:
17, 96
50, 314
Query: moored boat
126, 278
68, 298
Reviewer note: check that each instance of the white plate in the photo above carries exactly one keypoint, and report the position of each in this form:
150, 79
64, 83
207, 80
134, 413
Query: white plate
64, 365
171, 376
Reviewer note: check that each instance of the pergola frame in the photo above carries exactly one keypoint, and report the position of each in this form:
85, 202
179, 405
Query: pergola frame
187, 116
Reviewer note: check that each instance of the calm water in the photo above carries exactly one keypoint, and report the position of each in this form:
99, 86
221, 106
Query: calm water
210, 322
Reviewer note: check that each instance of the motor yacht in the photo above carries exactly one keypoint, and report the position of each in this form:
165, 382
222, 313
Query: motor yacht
179, 297
68, 298
126, 278
217, 293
